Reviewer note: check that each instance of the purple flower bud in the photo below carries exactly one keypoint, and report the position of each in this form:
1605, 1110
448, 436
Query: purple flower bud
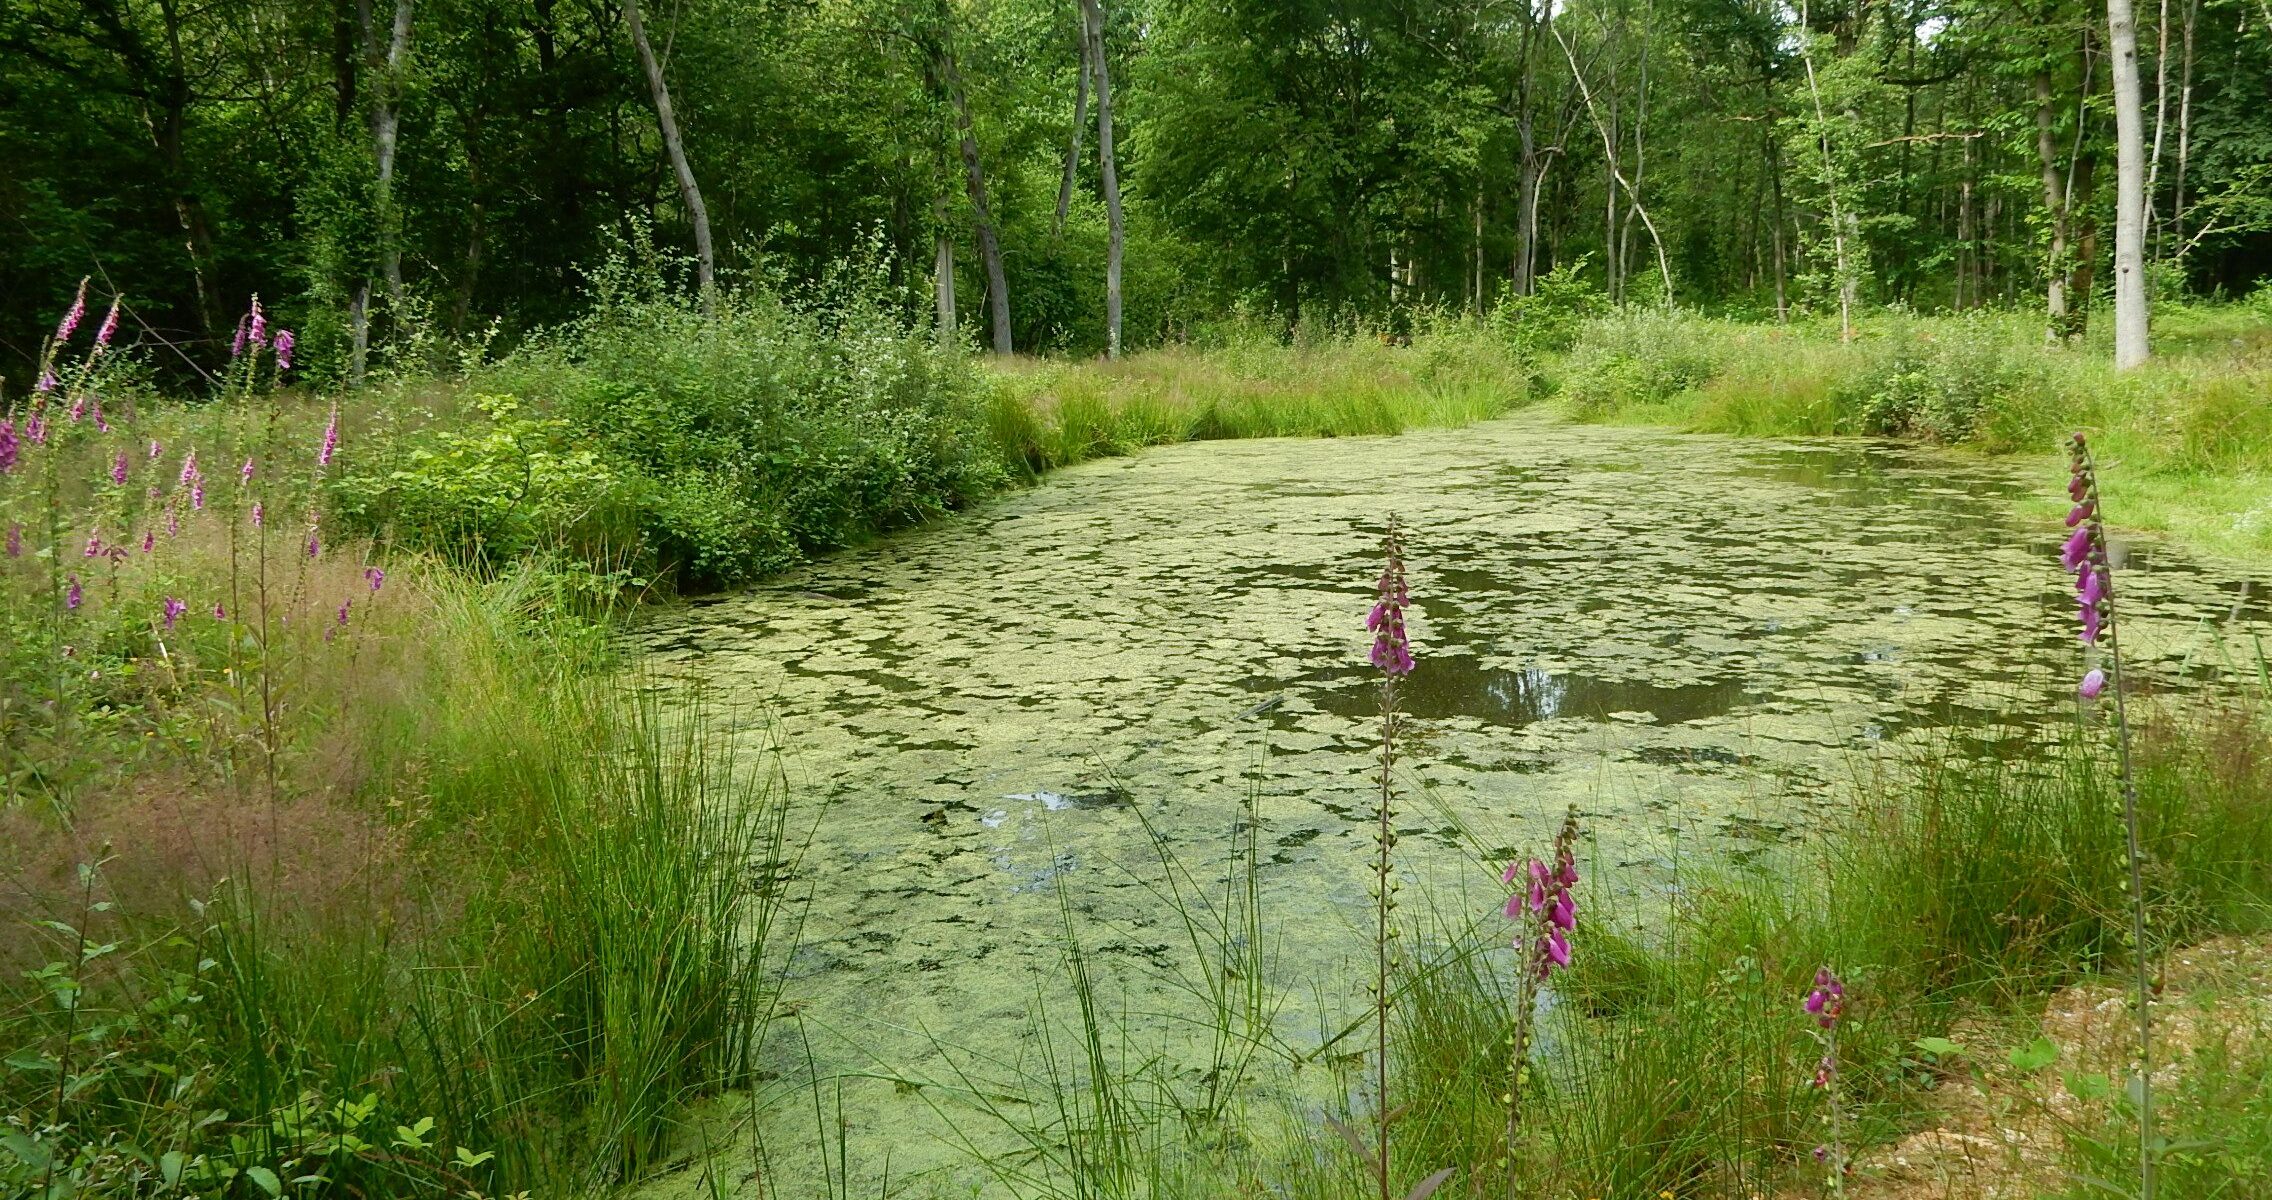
2092, 624
35, 429
156, 450
2080, 513
330, 439
78, 409
1565, 913
70, 322
101, 425
73, 596
237, 348
375, 577
173, 522
258, 331
256, 514
220, 613
109, 326
343, 611
197, 495
2094, 587
94, 544
283, 349
16, 541
48, 382
1557, 949
315, 543
189, 473
2093, 683
244, 473
9, 446
2076, 549
149, 541
118, 469
174, 609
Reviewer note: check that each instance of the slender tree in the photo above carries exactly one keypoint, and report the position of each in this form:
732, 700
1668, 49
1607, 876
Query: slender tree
1093, 13
2130, 347
690, 193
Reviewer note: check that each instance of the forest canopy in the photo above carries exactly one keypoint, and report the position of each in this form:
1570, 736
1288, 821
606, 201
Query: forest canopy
450, 167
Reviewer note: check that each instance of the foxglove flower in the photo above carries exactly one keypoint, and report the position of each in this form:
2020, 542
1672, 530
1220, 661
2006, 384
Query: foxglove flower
9, 447
256, 514
375, 577
244, 473
343, 611
174, 609
189, 472
71, 316
258, 330
315, 542
94, 545
283, 350
220, 613
102, 425
15, 541
1546, 903
237, 348
35, 429
78, 409
156, 451
331, 443
149, 541
2084, 553
197, 495
73, 596
1392, 644
118, 469
48, 382
109, 327
1827, 1002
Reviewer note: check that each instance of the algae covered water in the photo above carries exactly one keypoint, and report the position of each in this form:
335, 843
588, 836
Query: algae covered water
986, 723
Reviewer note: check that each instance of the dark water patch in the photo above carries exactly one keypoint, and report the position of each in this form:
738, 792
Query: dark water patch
1691, 756
1445, 686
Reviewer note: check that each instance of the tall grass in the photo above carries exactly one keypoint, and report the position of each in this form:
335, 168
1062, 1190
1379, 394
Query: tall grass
1674, 1055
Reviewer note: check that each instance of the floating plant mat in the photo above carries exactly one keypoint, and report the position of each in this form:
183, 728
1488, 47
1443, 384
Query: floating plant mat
1693, 639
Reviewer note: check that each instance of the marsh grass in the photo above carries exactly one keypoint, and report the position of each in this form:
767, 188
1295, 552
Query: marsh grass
2188, 429
1951, 890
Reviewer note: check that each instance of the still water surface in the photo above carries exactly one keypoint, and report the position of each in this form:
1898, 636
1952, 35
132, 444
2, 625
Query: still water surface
1695, 640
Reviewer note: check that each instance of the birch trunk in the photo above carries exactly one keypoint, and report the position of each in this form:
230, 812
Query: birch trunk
1664, 265
943, 274
2055, 205
2130, 348
1094, 20
974, 181
690, 193
1073, 141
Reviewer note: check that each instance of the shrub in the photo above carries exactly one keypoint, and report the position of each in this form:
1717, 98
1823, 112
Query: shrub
1639, 357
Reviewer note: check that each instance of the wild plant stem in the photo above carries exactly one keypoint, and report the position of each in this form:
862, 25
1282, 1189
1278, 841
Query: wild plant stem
2132, 842
1382, 951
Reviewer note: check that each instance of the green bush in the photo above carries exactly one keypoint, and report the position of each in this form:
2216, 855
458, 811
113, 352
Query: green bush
1940, 386
1639, 357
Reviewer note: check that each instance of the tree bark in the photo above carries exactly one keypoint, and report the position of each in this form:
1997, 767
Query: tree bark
2055, 206
974, 181
1664, 265
943, 274
386, 122
690, 194
2184, 127
1073, 141
1094, 10
2130, 306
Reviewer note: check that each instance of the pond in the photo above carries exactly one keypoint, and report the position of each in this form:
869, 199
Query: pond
1692, 639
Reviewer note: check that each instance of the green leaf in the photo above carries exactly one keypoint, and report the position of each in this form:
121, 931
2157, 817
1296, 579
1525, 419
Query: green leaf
1938, 1047
2034, 1056
33, 1154
2089, 1087
467, 1158
169, 1167
266, 1179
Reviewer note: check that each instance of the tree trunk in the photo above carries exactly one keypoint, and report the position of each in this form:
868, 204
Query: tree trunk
2055, 207
2130, 306
1095, 23
943, 274
1664, 265
1839, 217
386, 119
974, 180
2184, 128
1073, 141
690, 194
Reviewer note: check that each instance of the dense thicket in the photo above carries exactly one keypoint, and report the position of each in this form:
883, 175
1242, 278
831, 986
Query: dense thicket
1299, 156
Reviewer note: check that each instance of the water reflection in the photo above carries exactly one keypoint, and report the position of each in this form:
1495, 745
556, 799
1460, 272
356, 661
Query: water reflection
1446, 686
